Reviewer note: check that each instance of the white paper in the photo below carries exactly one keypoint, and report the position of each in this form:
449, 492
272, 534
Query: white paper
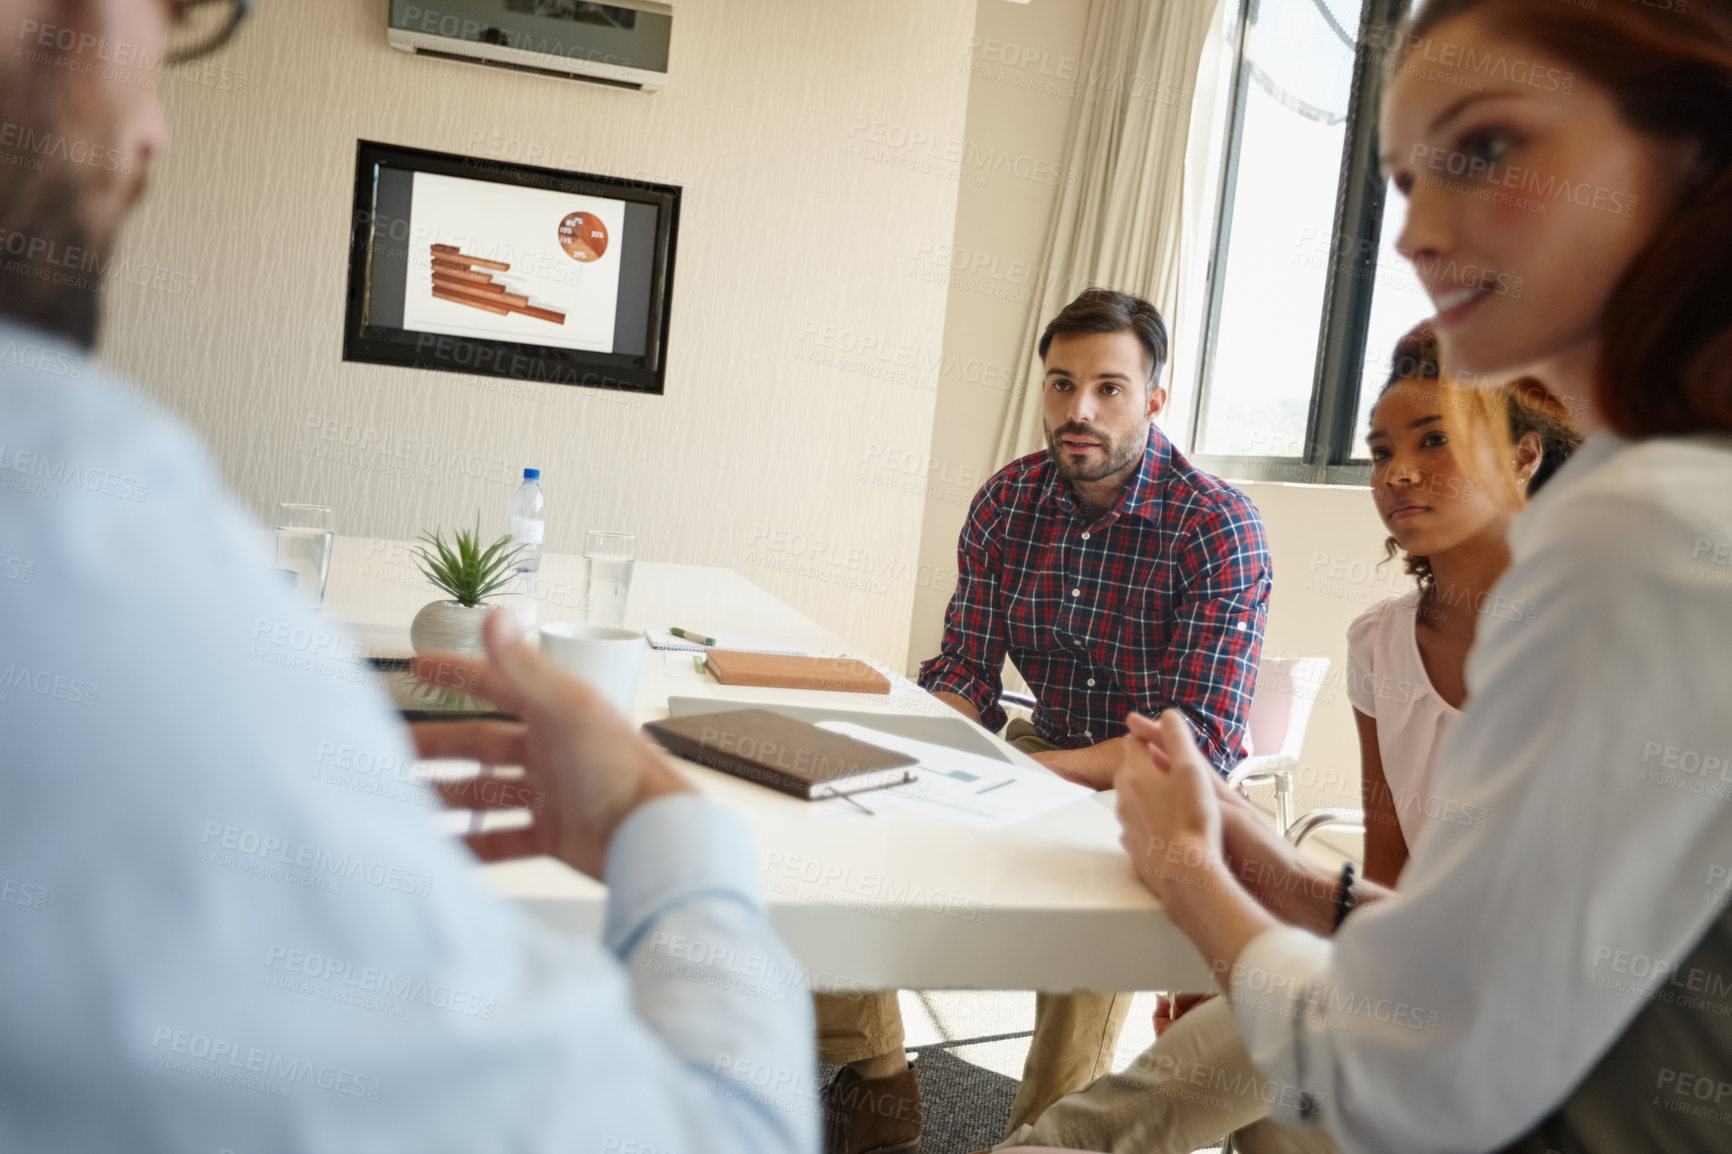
663, 640
965, 788
682, 665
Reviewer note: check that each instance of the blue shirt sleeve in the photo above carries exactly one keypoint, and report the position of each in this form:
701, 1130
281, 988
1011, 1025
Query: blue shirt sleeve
245, 930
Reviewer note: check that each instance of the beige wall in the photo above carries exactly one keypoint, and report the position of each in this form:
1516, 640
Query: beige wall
1023, 65
1324, 541
806, 138
867, 191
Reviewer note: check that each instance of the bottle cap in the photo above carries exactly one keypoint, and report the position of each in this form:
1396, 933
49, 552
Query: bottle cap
532, 474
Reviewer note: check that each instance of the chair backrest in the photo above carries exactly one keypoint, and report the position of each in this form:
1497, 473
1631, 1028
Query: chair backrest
1281, 705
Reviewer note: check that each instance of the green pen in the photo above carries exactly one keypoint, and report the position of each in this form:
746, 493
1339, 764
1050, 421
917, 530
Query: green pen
693, 635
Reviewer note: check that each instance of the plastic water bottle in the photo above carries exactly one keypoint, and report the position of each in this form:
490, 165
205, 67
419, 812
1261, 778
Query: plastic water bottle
528, 521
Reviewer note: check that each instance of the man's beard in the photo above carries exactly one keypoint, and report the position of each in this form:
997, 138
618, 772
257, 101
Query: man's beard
1116, 456
37, 286
52, 249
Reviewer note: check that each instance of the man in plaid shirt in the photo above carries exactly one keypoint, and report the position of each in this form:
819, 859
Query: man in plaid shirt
1117, 576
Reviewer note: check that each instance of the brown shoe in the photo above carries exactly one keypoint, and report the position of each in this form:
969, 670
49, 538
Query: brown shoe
872, 1115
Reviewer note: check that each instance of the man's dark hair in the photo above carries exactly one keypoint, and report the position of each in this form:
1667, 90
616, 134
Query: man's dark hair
1109, 311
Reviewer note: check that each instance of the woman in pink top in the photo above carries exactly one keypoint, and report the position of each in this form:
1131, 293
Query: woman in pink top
1406, 654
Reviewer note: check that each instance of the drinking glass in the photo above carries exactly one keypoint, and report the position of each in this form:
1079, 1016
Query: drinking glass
304, 534
518, 598
609, 557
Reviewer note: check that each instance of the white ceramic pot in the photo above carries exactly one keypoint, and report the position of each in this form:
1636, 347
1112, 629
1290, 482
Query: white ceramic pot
447, 627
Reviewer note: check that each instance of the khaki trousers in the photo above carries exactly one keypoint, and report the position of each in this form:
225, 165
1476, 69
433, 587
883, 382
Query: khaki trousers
1187, 1091
855, 1027
1026, 737
1075, 1035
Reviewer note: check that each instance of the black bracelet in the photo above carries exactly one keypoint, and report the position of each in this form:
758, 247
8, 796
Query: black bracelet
1345, 902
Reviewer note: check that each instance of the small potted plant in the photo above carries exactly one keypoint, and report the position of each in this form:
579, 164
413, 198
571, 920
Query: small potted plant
470, 574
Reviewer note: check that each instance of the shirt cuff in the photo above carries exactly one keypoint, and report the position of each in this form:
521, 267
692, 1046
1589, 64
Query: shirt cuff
672, 851
941, 675
1271, 982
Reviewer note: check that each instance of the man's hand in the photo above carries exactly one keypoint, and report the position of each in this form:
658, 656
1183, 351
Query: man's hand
587, 766
1092, 765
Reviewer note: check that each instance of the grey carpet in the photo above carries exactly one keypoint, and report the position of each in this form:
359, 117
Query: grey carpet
966, 1105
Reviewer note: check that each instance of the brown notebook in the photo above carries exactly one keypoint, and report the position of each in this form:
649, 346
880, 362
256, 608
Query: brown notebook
779, 671
784, 754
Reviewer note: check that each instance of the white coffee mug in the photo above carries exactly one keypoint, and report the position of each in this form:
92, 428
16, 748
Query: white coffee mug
607, 659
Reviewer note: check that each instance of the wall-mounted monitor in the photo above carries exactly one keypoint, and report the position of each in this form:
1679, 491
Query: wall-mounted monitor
475, 266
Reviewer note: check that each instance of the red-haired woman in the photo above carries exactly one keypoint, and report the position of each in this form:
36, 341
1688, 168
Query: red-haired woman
1558, 975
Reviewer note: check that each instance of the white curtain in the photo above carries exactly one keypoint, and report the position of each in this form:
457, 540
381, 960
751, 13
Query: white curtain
1118, 223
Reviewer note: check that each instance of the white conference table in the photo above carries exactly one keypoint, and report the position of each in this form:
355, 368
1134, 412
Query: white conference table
888, 900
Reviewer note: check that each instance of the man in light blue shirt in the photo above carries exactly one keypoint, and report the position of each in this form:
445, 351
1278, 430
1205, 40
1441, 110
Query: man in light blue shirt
208, 940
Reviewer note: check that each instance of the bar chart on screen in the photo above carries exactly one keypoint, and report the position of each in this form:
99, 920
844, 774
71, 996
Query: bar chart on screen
509, 263
468, 280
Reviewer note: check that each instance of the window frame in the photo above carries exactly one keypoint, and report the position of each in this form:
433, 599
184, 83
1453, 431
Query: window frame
1350, 280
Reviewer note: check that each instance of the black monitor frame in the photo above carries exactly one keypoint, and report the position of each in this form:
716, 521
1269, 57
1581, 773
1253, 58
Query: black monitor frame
539, 364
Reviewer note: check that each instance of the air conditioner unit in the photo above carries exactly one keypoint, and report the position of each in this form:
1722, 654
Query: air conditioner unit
622, 44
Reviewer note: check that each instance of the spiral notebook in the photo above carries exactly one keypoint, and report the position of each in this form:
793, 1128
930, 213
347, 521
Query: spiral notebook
662, 639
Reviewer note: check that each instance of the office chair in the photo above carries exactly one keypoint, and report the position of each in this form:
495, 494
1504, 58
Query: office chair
1318, 819
1275, 728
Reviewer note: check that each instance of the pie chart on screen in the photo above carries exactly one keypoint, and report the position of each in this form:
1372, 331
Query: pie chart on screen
583, 236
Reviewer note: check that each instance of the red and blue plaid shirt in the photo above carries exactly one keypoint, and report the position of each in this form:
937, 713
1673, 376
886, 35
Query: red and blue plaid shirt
1158, 603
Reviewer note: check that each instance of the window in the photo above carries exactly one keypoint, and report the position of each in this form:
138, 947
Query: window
1306, 294
1398, 302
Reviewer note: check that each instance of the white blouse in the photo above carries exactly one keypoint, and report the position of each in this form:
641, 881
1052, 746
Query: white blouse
1386, 680
1596, 744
